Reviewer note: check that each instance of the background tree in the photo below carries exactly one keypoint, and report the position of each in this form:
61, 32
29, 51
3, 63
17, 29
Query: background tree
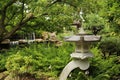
48, 15
53, 15
13, 16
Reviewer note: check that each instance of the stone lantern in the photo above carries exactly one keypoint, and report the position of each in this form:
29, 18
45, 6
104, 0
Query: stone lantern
82, 53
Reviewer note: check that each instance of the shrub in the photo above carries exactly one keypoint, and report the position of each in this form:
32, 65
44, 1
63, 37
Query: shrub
46, 60
109, 46
39, 60
106, 69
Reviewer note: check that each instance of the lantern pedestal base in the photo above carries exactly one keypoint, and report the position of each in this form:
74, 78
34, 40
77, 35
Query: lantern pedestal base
75, 63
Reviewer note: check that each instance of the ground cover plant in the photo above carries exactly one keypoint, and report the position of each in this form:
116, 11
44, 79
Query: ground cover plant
39, 60
45, 61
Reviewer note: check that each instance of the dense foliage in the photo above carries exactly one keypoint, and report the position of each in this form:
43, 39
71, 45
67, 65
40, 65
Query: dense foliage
39, 60
45, 59
33, 15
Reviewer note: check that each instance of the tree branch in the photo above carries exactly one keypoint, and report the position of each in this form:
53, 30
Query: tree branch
9, 4
22, 10
10, 18
61, 1
3, 16
18, 26
5, 9
54, 2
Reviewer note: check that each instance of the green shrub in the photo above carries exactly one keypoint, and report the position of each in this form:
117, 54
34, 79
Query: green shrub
110, 45
47, 60
103, 68
99, 69
3, 57
20, 64
38, 59
94, 22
